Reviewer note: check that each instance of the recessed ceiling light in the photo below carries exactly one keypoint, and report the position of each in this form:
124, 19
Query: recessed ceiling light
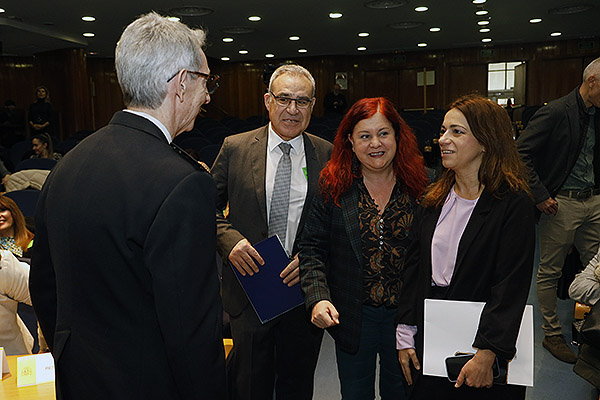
269, 55
361, 48
225, 58
227, 39
481, 12
92, 53
363, 34
421, 9
535, 20
302, 51
486, 40
484, 30
190, 11
86, 19
174, 19
422, 44
243, 51
294, 38
89, 34
555, 34
483, 23
335, 15
2, 10
385, 4
435, 29
479, 1
254, 18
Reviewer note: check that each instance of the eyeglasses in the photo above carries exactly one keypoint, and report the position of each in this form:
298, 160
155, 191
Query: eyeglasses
283, 101
212, 81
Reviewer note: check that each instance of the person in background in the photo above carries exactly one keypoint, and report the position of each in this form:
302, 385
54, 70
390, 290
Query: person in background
473, 240
268, 177
40, 112
335, 102
561, 147
14, 276
354, 241
43, 147
14, 235
123, 275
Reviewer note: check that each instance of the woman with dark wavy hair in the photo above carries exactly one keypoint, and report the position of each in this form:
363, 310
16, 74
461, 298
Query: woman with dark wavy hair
354, 240
473, 240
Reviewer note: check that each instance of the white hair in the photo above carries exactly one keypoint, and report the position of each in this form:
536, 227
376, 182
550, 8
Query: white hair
292, 69
150, 51
593, 69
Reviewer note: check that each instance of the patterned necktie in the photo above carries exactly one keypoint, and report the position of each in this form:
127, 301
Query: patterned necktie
280, 199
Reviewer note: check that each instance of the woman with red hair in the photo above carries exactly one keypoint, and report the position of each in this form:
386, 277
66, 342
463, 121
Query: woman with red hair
354, 240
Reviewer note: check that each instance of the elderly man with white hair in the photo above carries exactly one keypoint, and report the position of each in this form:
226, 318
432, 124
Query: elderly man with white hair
123, 276
561, 147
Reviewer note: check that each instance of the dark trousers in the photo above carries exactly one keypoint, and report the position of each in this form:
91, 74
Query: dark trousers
433, 388
357, 371
281, 354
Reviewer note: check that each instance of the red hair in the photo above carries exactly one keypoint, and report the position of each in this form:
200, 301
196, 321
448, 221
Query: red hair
409, 168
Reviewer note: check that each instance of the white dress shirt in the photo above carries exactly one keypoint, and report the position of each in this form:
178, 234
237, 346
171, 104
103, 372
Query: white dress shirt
299, 181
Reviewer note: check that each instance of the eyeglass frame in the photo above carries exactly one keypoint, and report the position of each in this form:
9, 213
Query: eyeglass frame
209, 78
289, 99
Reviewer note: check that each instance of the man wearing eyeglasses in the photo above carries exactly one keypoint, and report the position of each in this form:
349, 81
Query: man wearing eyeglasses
123, 277
282, 353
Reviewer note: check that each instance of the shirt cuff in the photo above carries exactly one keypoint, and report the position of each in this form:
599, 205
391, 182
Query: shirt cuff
405, 336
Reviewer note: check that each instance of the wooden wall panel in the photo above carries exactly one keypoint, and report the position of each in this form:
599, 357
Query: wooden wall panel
464, 79
382, 84
107, 97
549, 79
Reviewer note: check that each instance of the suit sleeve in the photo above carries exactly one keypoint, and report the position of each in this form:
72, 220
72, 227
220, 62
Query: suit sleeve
227, 235
14, 276
179, 252
42, 279
314, 253
501, 316
531, 145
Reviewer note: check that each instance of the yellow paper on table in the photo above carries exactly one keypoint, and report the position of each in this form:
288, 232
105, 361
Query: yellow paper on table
3, 364
36, 369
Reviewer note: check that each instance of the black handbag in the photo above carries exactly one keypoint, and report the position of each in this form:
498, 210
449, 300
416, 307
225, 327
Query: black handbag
590, 330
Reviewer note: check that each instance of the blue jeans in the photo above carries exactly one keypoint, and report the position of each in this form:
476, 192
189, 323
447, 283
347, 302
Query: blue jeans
357, 371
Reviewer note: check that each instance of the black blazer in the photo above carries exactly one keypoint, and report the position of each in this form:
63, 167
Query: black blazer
239, 172
332, 263
123, 277
493, 265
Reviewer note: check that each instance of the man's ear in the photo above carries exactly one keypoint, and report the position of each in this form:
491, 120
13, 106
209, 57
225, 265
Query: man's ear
180, 81
267, 98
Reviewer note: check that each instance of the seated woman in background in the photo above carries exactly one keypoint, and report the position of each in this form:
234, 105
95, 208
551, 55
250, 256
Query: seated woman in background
354, 240
14, 289
473, 241
14, 235
43, 148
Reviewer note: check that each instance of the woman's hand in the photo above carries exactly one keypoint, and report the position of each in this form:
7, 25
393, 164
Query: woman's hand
406, 356
324, 315
477, 372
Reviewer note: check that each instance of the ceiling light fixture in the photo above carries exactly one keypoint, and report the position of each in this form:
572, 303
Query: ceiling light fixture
243, 51
421, 9
86, 18
481, 12
174, 19
535, 20
484, 30
385, 4
227, 39
555, 34
269, 55
294, 38
422, 44
190, 11
2, 10
89, 34
363, 34
302, 51
225, 58
483, 23
361, 48
486, 40
254, 18
335, 15
479, 1
435, 29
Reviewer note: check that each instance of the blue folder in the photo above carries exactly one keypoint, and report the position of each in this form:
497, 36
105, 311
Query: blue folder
267, 293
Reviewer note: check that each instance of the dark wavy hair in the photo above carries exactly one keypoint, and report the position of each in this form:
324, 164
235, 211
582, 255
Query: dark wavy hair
22, 235
409, 167
501, 167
